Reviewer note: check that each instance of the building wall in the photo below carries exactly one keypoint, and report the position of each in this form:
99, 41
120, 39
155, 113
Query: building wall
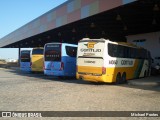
150, 41
70, 11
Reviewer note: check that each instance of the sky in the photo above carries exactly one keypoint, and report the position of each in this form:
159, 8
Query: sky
16, 13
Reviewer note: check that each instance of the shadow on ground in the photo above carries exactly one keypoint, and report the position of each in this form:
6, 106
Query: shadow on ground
44, 78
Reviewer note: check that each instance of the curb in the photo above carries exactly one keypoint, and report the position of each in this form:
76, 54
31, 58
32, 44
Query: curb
140, 83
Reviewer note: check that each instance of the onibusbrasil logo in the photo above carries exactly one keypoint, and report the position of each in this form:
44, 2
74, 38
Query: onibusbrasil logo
21, 114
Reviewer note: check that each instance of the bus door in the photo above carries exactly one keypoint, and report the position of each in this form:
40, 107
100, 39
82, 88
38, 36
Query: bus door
90, 58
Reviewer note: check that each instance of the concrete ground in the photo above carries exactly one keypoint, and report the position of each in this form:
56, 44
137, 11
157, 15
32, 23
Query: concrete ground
36, 92
152, 81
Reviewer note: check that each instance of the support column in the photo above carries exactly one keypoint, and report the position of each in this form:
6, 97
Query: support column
19, 54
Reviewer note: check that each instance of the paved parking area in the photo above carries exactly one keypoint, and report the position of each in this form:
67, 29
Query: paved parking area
36, 92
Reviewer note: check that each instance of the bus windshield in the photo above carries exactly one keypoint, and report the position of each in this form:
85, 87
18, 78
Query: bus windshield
25, 56
52, 52
37, 52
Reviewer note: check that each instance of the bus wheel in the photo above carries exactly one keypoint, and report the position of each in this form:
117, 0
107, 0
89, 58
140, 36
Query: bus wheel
118, 78
123, 78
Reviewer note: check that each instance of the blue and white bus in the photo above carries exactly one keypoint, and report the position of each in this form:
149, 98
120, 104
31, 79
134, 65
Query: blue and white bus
60, 59
25, 60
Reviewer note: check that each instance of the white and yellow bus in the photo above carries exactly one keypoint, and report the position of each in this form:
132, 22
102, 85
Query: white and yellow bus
101, 60
37, 60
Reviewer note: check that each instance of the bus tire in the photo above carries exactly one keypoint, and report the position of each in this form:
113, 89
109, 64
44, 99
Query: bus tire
123, 77
118, 78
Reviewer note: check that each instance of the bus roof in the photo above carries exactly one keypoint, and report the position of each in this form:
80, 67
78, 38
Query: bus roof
25, 50
119, 43
84, 39
127, 44
59, 43
38, 48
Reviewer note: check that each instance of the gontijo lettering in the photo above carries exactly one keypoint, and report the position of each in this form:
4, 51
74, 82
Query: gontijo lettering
123, 62
90, 50
127, 62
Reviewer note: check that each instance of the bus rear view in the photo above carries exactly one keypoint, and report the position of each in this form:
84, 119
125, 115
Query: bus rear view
25, 61
90, 60
60, 59
37, 60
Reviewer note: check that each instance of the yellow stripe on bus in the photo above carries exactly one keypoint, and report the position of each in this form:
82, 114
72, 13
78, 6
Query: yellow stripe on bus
86, 69
110, 75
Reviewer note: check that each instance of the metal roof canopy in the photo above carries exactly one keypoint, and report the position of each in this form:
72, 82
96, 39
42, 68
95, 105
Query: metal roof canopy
134, 18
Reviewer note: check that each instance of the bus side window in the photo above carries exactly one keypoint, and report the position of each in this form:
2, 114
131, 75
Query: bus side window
71, 51
115, 50
133, 54
120, 51
125, 52
138, 53
110, 50
128, 52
